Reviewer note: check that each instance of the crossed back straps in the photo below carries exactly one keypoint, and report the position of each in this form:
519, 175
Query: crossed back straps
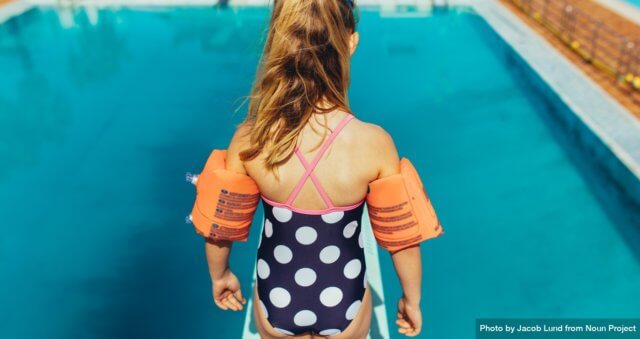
309, 167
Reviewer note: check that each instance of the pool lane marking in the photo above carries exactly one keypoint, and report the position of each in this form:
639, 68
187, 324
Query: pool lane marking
374, 278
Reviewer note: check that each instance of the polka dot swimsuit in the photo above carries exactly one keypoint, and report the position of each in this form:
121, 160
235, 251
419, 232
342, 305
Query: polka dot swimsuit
311, 272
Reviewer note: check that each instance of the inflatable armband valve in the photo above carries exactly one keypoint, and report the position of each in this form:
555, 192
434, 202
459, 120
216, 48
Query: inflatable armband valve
225, 201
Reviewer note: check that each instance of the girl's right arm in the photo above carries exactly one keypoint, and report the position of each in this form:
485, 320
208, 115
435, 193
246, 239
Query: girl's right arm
227, 293
407, 262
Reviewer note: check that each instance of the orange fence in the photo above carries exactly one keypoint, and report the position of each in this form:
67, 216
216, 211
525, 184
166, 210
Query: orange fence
593, 40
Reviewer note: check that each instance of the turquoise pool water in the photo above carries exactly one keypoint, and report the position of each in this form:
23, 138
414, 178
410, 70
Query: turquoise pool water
634, 2
100, 121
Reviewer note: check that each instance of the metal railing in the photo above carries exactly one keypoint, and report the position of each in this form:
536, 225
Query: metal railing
597, 43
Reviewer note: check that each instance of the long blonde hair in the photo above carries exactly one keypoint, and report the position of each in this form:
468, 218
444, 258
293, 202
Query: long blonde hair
305, 61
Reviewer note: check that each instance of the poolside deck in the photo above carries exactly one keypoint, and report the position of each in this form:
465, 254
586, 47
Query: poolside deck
626, 95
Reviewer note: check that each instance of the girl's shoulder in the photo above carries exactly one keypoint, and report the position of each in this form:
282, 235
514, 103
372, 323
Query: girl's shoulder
376, 145
372, 136
240, 141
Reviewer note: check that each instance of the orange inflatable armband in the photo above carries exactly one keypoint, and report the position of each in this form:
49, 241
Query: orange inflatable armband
225, 201
400, 211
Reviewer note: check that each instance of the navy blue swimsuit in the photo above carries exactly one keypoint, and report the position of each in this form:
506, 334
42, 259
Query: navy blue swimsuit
311, 271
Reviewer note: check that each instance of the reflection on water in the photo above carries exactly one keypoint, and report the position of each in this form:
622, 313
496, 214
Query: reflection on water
47, 56
213, 29
40, 52
37, 112
98, 42
32, 111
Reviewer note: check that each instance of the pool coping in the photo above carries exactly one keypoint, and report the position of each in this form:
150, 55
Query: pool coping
13, 8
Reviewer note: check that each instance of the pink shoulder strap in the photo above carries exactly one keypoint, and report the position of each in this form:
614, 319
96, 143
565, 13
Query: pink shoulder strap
309, 167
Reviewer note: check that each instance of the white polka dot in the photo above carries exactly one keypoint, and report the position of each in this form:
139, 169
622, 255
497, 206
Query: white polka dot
350, 229
304, 318
365, 281
331, 296
282, 214
333, 217
329, 332
305, 277
352, 269
353, 310
268, 228
329, 254
283, 331
263, 269
279, 297
306, 235
264, 309
282, 254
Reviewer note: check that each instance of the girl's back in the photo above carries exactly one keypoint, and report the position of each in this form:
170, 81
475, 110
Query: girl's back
359, 154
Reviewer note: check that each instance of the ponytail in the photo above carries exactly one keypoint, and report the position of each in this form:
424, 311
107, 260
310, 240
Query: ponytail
305, 62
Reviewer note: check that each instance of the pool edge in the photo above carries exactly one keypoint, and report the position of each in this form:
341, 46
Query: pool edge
12, 9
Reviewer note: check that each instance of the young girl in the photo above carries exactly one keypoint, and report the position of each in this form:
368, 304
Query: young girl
312, 162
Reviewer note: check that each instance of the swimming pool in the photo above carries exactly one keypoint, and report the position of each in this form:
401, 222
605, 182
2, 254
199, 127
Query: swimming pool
102, 113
